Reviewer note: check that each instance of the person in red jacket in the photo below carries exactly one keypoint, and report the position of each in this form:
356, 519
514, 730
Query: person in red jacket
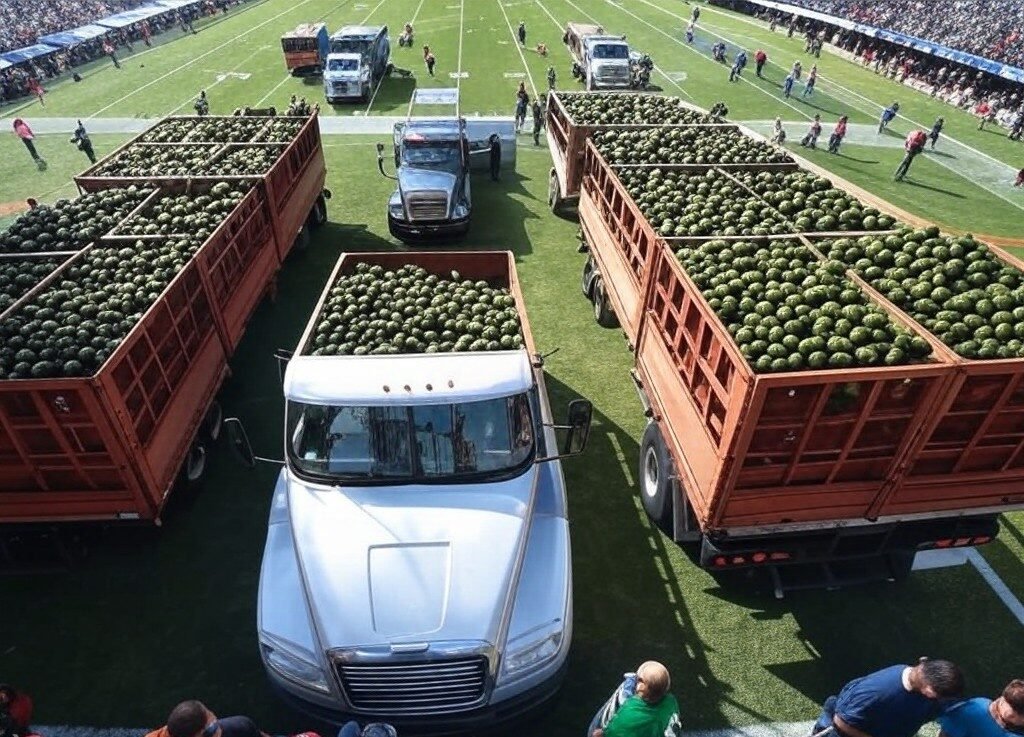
760, 59
912, 146
15, 712
838, 134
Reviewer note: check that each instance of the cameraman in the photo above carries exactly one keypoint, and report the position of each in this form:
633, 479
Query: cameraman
15, 712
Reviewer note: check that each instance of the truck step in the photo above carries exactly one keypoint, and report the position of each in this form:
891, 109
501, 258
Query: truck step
834, 575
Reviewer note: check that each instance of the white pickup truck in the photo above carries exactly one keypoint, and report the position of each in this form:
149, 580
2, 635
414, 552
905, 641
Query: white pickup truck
600, 60
417, 567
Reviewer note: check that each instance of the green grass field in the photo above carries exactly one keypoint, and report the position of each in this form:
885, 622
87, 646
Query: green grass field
158, 615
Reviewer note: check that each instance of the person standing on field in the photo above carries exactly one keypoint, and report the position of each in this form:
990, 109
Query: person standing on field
981, 717
81, 139
912, 147
893, 702
933, 136
1020, 179
428, 59
778, 132
538, 122
760, 59
810, 139
787, 85
551, 78
838, 134
28, 138
495, 156
812, 79
108, 49
689, 32
521, 32
737, 66
522, 104
888, 115
1017, 126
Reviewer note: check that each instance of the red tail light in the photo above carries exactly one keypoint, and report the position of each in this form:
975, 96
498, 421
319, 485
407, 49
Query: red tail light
982, 539
780, 556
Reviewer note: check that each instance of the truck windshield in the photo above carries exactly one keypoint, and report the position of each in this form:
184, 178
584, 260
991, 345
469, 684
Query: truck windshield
435, 155
465, 442
611, 51
343, 65
349, 46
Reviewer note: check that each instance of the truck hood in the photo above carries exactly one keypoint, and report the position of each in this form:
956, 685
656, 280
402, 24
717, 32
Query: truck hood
407, 564
417, 179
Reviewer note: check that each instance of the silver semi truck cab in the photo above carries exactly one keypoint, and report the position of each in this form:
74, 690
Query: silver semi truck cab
434, 159
417, 567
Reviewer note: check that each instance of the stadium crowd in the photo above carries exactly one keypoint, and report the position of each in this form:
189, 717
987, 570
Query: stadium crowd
993, 29
22, 22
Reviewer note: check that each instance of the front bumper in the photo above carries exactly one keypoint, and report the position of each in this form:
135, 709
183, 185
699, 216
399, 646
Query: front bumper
494, 714
406, 230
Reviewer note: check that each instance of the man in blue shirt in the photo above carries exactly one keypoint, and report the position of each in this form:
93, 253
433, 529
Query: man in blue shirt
893, 702
983, 717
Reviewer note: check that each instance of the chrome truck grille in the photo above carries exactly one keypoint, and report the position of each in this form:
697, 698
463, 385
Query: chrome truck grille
427, 205
613, 74
414, 688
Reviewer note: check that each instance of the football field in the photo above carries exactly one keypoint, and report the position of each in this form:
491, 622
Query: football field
154, 616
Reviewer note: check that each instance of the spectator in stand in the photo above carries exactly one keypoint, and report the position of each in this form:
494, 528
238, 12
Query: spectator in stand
15, 712
1017, 126
145, 32
913, 145
37, 89
27, 137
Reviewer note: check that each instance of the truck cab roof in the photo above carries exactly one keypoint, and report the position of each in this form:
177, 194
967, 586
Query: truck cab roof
367, 33
432, 130
432, 378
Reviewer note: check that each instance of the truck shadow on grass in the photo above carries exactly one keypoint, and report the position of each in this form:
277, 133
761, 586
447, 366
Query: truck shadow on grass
847, 633
628, 606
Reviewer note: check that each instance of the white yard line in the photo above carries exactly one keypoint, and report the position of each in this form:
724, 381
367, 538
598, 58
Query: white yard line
997, 584
515, 40
416, 15
694, 51
656, 67
190, 62
462, 35
273, 90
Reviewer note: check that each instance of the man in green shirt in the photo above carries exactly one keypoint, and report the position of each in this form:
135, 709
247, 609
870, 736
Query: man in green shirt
651, 712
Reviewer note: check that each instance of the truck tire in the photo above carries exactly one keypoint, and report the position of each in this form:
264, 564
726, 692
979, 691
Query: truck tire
655, 478
318, 215
302, 239
588, 276
603, 312
212, 422
554, 192
195, 463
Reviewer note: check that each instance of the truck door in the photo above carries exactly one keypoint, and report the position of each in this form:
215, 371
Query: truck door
398, 132
479, 133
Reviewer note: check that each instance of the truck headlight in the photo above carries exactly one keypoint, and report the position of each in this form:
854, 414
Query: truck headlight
461, 211
397, 211
532, 649
295, 668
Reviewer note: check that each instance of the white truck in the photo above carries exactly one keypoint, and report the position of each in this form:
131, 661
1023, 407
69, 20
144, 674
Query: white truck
600, 60
417, 567
357, 62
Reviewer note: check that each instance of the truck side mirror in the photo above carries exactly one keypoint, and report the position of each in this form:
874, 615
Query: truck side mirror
581, 412
380, 150
239, 442
380, 161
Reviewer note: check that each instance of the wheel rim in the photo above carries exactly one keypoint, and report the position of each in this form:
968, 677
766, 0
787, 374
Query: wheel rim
651, 473
196, 463
552, 190
598, 299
